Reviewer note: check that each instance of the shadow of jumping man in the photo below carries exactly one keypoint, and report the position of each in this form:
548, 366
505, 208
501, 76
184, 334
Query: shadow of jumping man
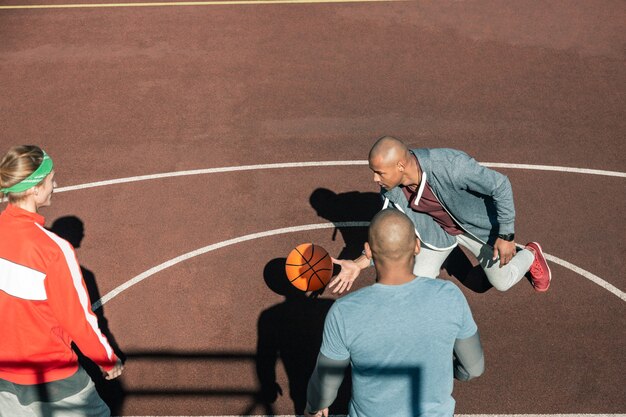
72, 229
357, 206
353, 206
292, 332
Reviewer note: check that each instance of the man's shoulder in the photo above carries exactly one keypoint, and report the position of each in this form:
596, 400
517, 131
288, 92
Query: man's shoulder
356, 296
424, 154
356, 301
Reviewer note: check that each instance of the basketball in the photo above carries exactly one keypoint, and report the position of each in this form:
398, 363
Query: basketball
309, 267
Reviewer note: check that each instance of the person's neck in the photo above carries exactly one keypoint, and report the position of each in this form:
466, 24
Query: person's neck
393, 274
26, 204
413, 174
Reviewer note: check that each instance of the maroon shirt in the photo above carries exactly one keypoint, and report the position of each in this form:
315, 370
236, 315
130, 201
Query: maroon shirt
427, 203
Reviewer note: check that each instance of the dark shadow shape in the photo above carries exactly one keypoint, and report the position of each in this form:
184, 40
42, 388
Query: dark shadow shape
356, 206
413, 375
72, 229
292, 332
492, 215
353, 206
459, 266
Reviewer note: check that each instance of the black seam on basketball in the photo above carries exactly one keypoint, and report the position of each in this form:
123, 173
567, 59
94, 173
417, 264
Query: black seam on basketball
320, 280
319, 260
307, 270
302, 255
318, 277
303, 272
311, 267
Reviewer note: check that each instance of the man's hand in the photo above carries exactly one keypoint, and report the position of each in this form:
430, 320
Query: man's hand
505, 250
350, 270
320, 413
115, 372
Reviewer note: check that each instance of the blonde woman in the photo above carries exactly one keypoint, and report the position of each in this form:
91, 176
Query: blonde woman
44, 304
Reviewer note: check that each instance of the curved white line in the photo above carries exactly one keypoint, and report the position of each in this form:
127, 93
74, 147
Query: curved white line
144, 275
215, 246
317, 164
591, 277
207, 171
181, 3
571, 170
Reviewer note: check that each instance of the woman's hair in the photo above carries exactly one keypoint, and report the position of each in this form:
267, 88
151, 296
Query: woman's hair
18, 163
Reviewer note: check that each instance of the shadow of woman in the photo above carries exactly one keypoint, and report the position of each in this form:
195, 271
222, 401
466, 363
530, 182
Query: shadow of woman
292, 332
72, 229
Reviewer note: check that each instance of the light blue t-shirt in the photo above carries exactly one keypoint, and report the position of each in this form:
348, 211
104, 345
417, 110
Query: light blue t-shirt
400, 343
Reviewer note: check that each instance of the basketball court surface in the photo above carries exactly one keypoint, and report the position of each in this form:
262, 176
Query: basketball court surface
197, 143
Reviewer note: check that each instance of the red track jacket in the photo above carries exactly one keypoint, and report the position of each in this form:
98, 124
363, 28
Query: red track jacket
44, 304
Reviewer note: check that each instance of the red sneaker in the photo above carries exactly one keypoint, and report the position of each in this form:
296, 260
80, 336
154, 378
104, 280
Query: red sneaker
540, 274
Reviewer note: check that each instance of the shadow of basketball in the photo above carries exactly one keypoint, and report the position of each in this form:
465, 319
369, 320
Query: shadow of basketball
292, 332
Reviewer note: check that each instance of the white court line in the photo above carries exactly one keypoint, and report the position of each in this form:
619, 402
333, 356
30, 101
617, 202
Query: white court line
318, 164
207, 171
145, 275
182, 3
571, 170
591, 277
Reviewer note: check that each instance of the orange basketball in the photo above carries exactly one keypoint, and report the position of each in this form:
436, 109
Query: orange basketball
309, 267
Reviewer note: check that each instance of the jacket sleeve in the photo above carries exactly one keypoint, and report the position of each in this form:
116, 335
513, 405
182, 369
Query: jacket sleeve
472, 176
70, 304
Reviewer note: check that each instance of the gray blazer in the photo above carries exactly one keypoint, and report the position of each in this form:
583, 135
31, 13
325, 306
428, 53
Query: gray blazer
479, 199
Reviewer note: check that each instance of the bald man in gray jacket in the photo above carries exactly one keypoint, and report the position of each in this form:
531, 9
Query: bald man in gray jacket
451, 200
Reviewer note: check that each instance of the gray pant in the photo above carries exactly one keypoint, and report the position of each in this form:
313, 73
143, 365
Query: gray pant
428, 262
85, 402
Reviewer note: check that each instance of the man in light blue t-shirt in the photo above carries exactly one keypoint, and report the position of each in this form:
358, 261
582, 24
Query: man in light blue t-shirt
405, 336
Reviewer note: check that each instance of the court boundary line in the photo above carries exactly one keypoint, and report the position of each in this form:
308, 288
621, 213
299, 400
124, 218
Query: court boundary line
183, 4
283, 165
302, 228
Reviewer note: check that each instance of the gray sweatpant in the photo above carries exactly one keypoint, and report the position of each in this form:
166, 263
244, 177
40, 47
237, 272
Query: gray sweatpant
75, 396
428, 262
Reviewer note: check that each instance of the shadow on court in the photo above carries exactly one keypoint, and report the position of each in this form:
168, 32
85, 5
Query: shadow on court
291, 332
72, 229
355, 206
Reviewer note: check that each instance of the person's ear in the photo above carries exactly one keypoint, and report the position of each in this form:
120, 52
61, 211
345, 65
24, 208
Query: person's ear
400, 166
368, 250
418, 246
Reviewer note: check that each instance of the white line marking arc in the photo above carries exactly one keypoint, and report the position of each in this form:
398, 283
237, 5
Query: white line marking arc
184, 3
317, 164
586, 274
150, 272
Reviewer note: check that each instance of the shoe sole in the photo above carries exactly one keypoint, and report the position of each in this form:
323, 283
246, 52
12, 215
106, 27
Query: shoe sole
544, 262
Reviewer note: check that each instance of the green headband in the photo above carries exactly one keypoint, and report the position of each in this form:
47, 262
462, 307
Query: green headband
33, 179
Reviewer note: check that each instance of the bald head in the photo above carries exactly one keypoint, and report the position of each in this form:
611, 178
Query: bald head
391, 236
388, 150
